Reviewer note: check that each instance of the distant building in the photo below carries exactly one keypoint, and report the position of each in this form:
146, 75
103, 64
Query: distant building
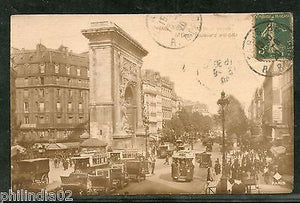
193, 107
168, 98
52, 89
160, 99
179, 104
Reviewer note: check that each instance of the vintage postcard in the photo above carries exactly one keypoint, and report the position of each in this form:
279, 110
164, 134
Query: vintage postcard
151, 104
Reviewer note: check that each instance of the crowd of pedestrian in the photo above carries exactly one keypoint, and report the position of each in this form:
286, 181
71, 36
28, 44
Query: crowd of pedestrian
63, 158
244, 170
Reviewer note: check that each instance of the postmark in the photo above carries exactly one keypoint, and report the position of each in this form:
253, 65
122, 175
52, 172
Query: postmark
268, 45
174, 31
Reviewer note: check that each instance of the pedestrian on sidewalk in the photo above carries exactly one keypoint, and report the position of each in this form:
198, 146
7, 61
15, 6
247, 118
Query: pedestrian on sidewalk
209, 177
167, 160
266, 175
65, 164
153, 164
217, 167
238, 187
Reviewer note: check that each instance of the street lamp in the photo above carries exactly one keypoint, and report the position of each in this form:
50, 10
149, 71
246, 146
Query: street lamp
222, 186
146, 124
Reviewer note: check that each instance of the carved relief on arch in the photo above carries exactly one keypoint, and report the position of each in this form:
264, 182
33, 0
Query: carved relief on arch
128, 67
124, 85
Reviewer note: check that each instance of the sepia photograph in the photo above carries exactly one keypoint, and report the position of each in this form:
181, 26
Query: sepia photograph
152, 104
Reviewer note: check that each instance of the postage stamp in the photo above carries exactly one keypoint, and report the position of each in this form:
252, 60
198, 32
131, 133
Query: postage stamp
268, 46
174, 31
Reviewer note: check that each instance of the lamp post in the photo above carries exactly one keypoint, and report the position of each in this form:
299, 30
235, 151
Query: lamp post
222, 186
146, 124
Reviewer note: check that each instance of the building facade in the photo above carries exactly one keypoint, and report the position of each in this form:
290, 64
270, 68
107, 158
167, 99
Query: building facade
277, 119
13, 116
160, 99
256, 111
52, 88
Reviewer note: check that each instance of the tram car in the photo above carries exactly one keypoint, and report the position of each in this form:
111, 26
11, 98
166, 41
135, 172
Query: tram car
87, 163
31, 174
183, 166
84, 164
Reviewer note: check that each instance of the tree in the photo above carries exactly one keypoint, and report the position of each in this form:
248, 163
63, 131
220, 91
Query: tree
186, 126
235, 120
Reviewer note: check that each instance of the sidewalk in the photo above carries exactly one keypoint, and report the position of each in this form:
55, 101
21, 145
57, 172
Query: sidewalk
288, 179
270, 189
264, 188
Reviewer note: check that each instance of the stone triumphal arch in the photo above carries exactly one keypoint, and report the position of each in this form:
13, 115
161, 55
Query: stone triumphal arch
115, 86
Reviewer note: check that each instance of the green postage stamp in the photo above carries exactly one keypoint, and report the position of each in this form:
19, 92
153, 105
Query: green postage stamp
273, 36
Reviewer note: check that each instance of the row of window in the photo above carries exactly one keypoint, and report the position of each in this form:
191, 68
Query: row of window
45, 119
167, 114
41, 93
166, 91
41, 107
57, 134
58, 81
166, 102
57, 69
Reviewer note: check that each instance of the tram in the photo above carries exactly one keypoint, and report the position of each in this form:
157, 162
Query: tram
183, 164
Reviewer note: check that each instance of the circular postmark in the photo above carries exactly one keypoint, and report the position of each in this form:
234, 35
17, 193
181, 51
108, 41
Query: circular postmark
268, 48
174, 31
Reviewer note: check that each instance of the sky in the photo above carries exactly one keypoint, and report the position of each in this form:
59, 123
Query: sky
191, 68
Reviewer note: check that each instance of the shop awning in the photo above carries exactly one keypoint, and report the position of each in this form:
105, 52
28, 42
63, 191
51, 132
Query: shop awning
278, 150
55, 146
72, 145
93, 142
16, 149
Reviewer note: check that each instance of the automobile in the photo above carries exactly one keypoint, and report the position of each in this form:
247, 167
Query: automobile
119, 176
31, 174
183, 166
204, 159
76, 182
136, 170
100, 181
163, 151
